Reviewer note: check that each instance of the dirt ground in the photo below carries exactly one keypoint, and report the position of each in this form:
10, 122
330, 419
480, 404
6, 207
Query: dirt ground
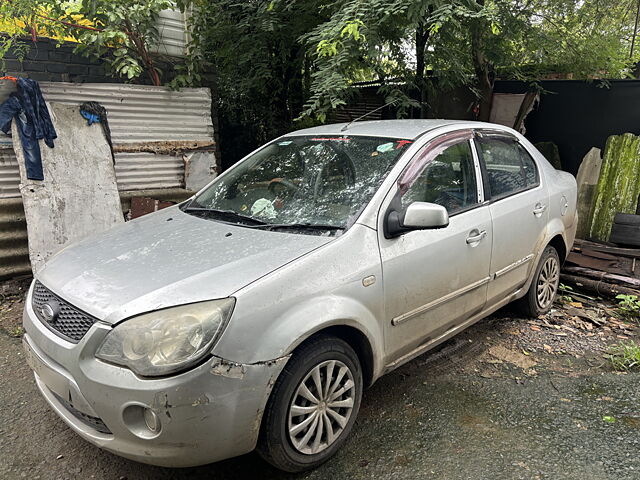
510, 398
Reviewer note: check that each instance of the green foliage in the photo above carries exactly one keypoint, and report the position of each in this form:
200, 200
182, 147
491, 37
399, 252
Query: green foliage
275, 61
129, 27
625, 356
567, 290
257, 64
629, 305
466, 39
120, 32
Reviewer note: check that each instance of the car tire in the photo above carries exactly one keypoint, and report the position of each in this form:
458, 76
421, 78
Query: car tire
625, 235
282, 442
626, 219
543, 289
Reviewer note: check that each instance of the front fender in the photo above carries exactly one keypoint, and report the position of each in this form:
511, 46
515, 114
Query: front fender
300, 322
326, 288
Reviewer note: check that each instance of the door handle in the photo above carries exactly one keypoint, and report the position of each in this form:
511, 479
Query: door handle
476, 236
539, 209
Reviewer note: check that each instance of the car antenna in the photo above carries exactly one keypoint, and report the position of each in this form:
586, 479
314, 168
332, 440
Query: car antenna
367, 114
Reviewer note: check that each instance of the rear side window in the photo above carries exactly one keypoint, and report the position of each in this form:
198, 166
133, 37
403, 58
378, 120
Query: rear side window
509, 167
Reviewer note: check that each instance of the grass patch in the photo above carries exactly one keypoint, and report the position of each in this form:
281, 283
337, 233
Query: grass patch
625, 356
629, 306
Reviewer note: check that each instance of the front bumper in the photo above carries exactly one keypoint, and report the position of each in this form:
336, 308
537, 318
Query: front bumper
206, 414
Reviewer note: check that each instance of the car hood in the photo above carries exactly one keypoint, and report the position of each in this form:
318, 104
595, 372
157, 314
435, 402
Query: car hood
164, 259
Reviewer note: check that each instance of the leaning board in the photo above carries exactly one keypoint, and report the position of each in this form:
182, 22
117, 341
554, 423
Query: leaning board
78, 196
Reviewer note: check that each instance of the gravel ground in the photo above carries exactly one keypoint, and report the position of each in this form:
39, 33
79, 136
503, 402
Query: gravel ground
493, 403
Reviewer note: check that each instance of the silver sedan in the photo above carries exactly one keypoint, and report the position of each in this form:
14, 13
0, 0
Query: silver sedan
255, 314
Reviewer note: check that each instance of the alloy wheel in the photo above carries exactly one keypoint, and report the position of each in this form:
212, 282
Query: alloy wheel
548, 281
321, 407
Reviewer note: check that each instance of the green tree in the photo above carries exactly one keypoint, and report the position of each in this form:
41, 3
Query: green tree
256, 63
276, 61
465, 42
121, 32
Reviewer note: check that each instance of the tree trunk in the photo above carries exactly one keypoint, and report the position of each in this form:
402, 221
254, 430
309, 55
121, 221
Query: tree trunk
481, 66
422, 35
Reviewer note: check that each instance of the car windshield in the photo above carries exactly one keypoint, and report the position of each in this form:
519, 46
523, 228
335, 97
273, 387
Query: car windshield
304, 182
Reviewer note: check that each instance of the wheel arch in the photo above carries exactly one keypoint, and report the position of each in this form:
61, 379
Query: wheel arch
357, 340
558, 242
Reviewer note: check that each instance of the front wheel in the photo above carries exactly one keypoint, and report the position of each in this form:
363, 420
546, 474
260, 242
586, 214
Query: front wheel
544, 286
313, 405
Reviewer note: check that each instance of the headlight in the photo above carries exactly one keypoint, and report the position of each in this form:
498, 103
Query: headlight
165, 341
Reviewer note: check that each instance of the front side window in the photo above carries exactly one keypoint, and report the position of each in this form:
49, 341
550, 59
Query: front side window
307, 180
509, 166
448, 179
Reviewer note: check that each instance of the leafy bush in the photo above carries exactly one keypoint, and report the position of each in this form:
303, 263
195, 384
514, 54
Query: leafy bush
629, 305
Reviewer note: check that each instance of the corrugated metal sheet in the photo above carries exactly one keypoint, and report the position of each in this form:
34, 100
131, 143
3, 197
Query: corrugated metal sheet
14, 254
138, 170
9, 173
137, 113
171, 24
140, 113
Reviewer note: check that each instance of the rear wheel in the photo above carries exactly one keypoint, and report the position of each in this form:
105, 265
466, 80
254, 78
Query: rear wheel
544, 286
313, 405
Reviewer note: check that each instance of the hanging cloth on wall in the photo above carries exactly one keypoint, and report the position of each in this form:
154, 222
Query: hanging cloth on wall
94, 112
28, 108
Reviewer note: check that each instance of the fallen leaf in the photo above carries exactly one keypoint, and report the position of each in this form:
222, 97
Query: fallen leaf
609, 419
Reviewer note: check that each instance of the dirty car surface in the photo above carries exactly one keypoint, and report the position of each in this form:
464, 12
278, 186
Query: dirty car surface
255, 314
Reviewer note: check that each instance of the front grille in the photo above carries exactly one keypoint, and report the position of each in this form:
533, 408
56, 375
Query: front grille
94, 422
67, 321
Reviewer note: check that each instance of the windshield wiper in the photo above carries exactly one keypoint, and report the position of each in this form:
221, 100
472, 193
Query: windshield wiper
297, 226
226, 214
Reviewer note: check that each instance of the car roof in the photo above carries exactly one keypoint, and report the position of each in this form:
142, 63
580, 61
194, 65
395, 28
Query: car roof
406, 129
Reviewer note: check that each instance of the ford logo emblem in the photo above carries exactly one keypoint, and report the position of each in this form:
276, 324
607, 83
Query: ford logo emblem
47, 312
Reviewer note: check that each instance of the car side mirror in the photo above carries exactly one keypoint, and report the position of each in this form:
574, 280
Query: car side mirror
421, 215
417, 216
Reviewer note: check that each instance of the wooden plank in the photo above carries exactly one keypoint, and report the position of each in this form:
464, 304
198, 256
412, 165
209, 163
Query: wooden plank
614, 266
603, 247
608, 277
597, 286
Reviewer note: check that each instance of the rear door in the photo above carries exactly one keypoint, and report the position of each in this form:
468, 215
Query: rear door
518, 203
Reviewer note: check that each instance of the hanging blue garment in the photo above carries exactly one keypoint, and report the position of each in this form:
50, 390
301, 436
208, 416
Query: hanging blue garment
30, 111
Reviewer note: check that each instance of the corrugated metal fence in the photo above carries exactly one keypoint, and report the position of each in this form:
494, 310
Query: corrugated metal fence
173, 37
138, 114
151, 129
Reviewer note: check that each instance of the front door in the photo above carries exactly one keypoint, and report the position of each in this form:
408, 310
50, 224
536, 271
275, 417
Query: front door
435, 279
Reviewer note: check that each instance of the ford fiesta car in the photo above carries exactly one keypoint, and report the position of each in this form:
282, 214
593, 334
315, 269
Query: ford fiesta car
255, 313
